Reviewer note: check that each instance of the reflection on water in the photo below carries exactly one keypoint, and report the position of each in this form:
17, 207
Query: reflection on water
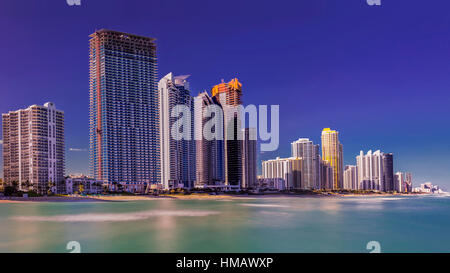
274, 224
114, 217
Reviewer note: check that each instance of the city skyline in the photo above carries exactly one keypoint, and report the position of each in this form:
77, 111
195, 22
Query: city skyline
400, 136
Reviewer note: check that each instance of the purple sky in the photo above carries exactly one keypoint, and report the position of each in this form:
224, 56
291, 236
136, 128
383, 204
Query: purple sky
379, 75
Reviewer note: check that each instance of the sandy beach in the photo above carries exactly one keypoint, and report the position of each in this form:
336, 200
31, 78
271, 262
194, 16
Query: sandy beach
45, 199
194, 196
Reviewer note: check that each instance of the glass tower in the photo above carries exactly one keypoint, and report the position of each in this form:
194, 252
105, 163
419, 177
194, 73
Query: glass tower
124, 119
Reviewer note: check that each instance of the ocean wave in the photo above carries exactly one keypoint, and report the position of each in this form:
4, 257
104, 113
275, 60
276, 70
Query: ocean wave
115, 217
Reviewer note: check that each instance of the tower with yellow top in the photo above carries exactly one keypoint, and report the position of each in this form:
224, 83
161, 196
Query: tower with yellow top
232, 91
332, 153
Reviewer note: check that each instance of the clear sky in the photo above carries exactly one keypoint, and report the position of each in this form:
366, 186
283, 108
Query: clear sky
377, 74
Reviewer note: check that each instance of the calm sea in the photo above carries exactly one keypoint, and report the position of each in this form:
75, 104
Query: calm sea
275, 224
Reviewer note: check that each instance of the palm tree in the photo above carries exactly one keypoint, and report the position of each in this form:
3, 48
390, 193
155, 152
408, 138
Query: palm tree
50, 185
15, 185
27, 185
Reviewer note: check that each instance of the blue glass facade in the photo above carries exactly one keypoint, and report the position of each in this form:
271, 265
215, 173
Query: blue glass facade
124, 120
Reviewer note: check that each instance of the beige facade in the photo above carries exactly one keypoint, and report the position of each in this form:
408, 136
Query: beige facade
33, 148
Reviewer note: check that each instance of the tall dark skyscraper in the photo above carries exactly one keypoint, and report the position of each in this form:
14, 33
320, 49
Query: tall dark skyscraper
388, 172
230, 94
249, 158
124, 112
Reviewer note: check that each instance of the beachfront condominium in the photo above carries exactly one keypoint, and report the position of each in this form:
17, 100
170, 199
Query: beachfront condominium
209, 150
376, 171
288, 169
124, 112
399, 181
177, 144
351, 177
229, 96
326, 175
309, 152
408, 182
370, 171
332, 152
249, 155
403, 182
33, 149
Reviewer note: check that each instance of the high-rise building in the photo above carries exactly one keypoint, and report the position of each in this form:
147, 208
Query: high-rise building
399, 180
124, 112
388, 172
177, 152
229, 95
351, 177
332, 152
209, 153
33, 149
370, 171
408, 183
305, 149
326, 175
249, 154
289, 169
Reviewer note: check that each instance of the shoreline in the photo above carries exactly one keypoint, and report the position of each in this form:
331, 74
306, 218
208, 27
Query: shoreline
193, 196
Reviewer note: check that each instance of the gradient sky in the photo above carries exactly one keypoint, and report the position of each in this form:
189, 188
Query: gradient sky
378, 75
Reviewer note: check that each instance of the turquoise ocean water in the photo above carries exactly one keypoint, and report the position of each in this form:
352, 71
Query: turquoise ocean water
268, 224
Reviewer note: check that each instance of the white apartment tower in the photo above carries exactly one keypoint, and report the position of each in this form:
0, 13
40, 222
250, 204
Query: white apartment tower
33, 148
305, 149
351, 177
288, 169
370, 171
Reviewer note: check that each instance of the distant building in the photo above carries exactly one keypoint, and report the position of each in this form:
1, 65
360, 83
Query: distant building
407, 186
351, 177
33, 148
428, 187
83, 185
177, 153
326, 175
332, 152
305, 149
288, 169
124, 110
249, 158
403, 182
399, 179
271, 184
